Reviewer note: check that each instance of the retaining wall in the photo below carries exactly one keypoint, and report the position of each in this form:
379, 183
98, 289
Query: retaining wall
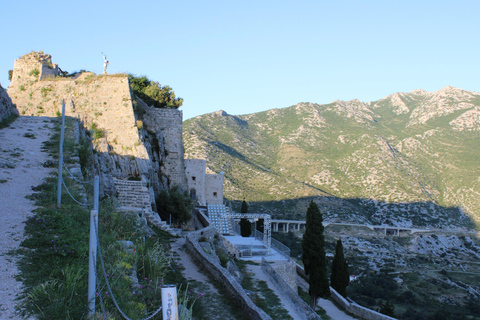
358, 310
302, 307
225, 279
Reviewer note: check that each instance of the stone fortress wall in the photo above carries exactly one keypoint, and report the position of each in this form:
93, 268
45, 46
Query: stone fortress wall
145, 144
24, 68
104, 102
166, 126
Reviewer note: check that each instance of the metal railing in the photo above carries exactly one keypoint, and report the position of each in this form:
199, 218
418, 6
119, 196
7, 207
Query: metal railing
277, 245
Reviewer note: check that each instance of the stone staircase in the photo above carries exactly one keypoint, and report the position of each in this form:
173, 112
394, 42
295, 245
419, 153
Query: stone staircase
134, 196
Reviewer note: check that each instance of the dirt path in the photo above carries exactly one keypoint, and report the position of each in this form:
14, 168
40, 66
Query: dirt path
191, 271
20, 169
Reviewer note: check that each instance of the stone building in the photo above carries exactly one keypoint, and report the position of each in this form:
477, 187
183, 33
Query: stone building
205, 188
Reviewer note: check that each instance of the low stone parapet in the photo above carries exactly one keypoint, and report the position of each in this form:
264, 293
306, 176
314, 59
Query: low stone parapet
358, 310
302, 307
351, 306
225, 279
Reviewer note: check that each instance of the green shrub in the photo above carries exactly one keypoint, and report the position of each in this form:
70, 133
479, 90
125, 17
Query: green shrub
97, 132
176, 204
34, 72
152, 93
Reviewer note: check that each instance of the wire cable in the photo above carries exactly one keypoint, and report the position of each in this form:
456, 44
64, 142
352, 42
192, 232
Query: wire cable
108, 283
98, 289
73, 177
68, 191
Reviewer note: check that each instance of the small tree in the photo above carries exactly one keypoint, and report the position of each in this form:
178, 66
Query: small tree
175, 203
313, 257
340, 278
245, 227
387, 309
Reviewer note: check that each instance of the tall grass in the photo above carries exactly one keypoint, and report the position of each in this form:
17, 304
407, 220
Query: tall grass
54, 256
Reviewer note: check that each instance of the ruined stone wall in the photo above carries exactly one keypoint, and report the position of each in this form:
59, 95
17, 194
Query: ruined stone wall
24, 69
166, 125
125, 146
214, 188
195, 170
100, 101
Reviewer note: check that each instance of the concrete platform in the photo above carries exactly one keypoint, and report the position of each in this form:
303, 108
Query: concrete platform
258, 249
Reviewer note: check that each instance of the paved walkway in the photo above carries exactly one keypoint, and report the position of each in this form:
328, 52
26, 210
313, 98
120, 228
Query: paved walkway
287, 303
20, 169
329, 307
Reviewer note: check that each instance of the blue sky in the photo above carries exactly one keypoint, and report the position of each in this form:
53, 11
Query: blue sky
250, 56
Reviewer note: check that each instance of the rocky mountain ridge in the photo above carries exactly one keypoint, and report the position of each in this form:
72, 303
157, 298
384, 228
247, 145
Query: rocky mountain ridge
408, 159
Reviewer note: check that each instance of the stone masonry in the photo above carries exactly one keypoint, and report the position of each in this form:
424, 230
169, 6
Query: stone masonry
134, 196
205, 188
104, 104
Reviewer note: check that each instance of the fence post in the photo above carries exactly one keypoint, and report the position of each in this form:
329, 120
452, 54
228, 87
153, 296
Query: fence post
60, 158
96, 193
92, 257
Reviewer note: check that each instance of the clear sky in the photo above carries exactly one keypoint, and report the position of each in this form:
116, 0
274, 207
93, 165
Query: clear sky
249, 56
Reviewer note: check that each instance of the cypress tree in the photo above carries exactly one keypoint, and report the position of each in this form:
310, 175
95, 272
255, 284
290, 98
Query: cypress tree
340, 278
313, 256
244, 208
245, 227
388, 309
260, 224
245, 224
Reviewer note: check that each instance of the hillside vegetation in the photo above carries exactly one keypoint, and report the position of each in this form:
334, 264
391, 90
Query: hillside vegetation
409, 159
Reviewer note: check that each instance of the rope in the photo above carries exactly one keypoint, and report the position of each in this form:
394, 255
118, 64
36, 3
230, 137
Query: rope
73, 177
82, 204
98, 289
108, 283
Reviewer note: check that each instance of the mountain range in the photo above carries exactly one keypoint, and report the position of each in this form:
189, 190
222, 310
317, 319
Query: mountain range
409, 159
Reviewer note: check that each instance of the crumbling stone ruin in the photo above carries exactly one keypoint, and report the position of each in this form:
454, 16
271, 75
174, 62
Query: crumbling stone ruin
131, 139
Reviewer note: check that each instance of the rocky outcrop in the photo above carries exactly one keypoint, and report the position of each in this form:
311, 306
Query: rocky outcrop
6, 106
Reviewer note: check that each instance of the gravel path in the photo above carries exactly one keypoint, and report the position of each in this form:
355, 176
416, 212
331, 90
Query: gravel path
20, 169
329, 307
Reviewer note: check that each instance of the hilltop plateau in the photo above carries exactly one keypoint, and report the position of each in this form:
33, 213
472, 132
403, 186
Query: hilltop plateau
409, 159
